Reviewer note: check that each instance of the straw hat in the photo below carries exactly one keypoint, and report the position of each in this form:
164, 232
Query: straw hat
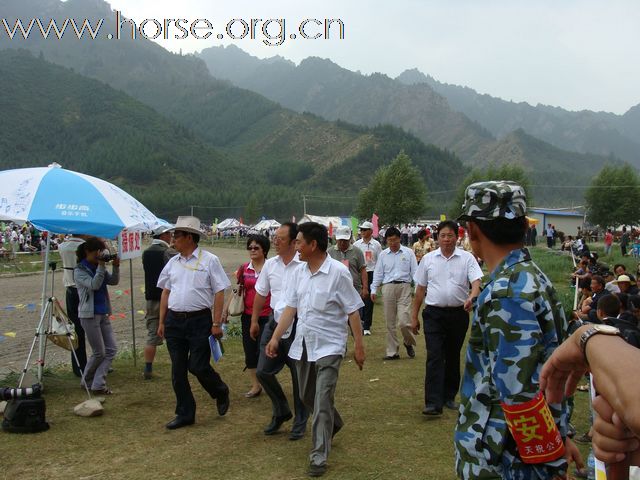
624, 278
188, 224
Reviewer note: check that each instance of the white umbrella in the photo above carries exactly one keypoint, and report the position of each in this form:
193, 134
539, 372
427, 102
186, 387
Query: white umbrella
61, 201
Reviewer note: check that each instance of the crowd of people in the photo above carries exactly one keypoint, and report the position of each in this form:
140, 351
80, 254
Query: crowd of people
301, 305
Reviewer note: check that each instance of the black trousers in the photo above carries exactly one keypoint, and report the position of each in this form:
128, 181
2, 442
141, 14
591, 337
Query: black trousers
72, 301
268, 368
366, 312
444, 330
188, 345
251, 347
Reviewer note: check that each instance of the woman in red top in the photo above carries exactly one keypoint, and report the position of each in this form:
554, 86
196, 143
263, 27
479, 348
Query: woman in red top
247, 275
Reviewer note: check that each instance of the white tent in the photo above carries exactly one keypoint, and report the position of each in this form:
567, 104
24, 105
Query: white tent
229, 223
334, 221
266, 225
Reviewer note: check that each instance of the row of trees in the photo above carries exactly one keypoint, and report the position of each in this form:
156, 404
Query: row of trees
397, 193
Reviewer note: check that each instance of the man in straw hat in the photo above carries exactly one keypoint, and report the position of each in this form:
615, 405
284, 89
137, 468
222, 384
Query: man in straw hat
193, 285
505, 427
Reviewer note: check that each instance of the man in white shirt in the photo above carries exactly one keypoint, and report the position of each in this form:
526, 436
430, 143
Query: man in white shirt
273, 279
371, 249
394, 271
321, 292
444, 275
67, 250
193, 285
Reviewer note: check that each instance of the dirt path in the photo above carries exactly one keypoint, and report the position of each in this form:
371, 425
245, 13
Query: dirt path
20, 310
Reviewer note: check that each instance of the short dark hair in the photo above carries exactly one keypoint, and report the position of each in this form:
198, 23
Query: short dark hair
91, 244
585, 283
503, 231
260, 240
421, 234
610, 305
624, 300
615, 267
448, 224
293, 229
633, 301
599, 279
392, 232
314, 231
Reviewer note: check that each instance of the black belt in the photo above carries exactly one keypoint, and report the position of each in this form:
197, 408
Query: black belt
449, 309
397, 282
185, 315
73, 287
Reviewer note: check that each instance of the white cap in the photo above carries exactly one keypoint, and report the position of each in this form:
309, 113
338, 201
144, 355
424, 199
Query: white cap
161, 229
343, 233
366, 226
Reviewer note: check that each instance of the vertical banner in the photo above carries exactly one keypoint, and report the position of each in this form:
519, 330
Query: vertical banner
354, 227
129, 245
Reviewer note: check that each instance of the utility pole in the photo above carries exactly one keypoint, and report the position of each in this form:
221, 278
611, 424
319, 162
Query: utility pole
304, 204
191, 210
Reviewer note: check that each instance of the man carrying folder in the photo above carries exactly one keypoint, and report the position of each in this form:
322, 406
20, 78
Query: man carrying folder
193, 284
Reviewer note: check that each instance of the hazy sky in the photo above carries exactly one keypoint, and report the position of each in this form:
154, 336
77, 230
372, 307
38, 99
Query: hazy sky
576, 54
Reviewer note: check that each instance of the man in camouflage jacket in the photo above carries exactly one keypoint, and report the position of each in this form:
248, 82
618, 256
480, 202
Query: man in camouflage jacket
517, 323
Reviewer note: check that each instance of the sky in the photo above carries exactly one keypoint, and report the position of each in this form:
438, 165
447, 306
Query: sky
574, 54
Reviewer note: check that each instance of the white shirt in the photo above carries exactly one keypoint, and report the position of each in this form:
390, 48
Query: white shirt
447, 279
371, 252
324, 301
273, 278
193, 280
67, 251
400, 266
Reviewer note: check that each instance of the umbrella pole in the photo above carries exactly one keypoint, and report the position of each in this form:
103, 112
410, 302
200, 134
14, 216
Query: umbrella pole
43, 305
133, 323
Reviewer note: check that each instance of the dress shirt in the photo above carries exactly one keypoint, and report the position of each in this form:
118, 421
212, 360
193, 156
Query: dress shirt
324, 301
67, 250
193, 281
447, 279
400, 266
273, 278
371, 251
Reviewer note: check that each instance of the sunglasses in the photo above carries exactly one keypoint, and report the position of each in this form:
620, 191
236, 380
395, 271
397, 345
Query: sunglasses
254, 248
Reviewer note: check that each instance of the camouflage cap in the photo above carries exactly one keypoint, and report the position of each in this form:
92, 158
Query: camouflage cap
494, 199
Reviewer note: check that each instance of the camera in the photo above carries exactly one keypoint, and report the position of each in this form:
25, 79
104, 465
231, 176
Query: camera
11, 393
107, 256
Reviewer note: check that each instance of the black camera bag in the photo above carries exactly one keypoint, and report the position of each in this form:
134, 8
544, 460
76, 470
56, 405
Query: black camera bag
25, 415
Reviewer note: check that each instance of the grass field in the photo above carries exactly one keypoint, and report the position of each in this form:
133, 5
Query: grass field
385, 436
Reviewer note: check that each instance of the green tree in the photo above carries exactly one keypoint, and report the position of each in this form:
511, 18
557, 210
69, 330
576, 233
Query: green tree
397, 193
506, 171
613, 197
251, 210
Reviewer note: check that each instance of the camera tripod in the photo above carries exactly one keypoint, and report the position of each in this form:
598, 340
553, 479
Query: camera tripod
52, 309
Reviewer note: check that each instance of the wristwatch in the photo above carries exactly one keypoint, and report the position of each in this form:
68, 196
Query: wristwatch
594, 330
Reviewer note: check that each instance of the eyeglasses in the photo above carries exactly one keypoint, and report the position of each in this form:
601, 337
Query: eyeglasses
254, 248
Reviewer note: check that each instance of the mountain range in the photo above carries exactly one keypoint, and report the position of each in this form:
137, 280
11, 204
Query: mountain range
249, 149
244, 136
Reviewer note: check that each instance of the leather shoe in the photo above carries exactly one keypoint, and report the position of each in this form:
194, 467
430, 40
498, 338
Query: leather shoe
410, 351
432, 411
392, 357
179, 423
317, 470
451, 405
276, 423
222, 403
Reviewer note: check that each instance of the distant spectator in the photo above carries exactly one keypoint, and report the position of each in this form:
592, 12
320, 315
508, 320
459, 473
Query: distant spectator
624, 241
608, 242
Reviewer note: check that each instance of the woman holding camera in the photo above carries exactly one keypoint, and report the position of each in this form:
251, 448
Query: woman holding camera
92, 278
